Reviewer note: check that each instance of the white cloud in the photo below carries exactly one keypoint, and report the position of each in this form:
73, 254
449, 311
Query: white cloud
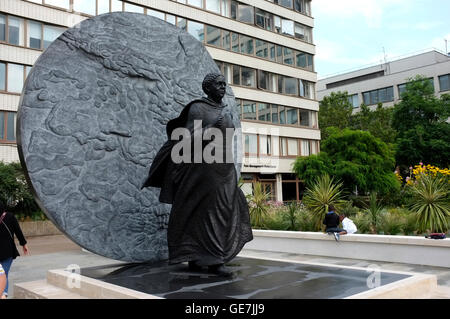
371, 10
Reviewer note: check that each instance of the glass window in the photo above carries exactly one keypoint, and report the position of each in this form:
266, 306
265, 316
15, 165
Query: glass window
195, 3
157, 14
84, 6
182, 23
15, 30
287, 27
267, 81
279, 54
15, 78
116, 5
226, 40
213, 5
213, 36
249, 110
103, 6
282, 114
251, 144
246, 13
228, 73
283, 146
374, 97
280, 84
390, 94
306, 89
288, 56
298, 6
2, 125
261, 49
2, 27
235, 42
292, 146
169, 18
274, 114
291, 116
59, 3
2, 76
272, 51
303, 32
246, 45
290, 85
366, 98
314, 147
248, 77
304, 60
225, 8
305, 148
239, 108
277, 24
196, 29
353, 99
27, 70
444, 82
301, 60
264, 112
233, 10
133, 8
50, 34
285, 3
264, 19
34, 35
236, 75
265, 147
304, 118
382, 95
11, 129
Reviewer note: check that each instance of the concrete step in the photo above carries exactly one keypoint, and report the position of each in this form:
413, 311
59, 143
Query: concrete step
441, 292
40, 289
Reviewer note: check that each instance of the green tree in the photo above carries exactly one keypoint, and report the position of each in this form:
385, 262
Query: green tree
14, 190
361, 160
334, 111
423, 133
308, 168
378, 122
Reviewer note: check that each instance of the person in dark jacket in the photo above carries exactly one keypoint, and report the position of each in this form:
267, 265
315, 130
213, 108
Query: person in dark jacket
331, 222
9, 226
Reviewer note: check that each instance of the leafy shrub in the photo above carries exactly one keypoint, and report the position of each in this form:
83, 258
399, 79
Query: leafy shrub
362, 222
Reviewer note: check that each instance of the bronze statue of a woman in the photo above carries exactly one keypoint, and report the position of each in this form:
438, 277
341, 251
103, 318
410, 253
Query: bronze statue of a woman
209, 222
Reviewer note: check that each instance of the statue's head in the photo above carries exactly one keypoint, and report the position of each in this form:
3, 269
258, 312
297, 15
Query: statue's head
214, 86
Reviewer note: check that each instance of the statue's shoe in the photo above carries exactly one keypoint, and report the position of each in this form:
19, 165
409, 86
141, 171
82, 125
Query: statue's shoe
220, 270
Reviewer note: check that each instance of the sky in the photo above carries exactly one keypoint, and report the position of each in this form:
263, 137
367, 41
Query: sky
351, 34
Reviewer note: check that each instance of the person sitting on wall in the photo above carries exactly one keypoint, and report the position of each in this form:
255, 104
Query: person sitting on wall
348, 224
331, 221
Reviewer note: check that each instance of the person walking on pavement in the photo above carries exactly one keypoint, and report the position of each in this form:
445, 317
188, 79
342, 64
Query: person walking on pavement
9, 226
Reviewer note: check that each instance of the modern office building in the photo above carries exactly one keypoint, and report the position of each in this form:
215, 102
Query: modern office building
263, 47
384, 83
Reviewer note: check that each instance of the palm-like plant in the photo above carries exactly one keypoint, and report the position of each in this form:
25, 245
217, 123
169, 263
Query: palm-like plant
290, 216
375, 211
258, 207
431, 203
323, 193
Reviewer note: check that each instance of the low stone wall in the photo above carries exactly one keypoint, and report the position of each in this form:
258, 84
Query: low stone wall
39, 228
384, 248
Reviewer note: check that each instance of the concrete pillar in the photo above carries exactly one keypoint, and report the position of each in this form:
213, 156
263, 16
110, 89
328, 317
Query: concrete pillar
279, 188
